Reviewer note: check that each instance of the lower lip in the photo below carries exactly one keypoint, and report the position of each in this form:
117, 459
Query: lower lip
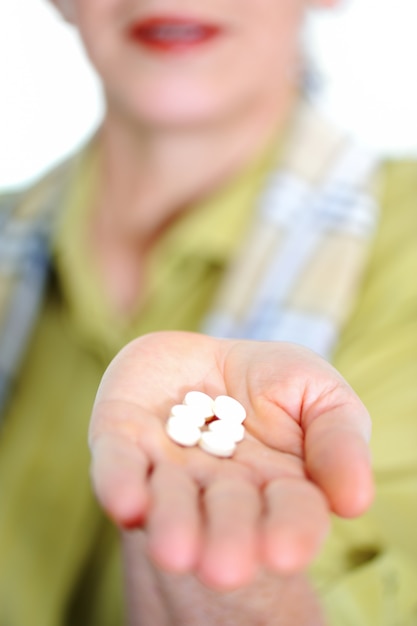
173, 35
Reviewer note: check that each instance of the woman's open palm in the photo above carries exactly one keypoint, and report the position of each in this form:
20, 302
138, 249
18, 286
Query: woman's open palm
305, 453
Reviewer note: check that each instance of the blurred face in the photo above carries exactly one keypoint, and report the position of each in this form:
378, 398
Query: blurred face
176, 61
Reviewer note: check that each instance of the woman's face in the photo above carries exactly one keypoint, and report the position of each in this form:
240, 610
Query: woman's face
167, 62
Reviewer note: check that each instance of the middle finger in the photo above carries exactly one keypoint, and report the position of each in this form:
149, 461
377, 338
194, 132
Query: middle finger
230, 552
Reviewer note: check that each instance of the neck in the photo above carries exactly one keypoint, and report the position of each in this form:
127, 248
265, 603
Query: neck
151, 174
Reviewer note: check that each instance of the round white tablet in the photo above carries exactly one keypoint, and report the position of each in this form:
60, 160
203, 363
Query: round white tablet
231, 429
183, 432
216, 444
193, 414
226, 407
200, 401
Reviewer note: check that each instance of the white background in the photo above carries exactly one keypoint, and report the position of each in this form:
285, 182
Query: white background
365, 53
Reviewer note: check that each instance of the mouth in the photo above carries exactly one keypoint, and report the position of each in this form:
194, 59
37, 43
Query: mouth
171, 34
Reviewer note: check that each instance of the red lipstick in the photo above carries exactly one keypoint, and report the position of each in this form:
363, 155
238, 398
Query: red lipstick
168, 34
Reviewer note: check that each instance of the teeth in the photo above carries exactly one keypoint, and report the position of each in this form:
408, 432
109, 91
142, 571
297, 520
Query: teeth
173, 32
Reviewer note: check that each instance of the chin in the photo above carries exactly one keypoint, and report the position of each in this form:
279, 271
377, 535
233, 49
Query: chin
179, 115
179, 106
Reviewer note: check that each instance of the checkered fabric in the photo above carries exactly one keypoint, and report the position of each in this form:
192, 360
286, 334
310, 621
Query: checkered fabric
27, 225
299, 269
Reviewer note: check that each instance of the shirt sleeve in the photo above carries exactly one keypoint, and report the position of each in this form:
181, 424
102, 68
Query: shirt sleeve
367, 573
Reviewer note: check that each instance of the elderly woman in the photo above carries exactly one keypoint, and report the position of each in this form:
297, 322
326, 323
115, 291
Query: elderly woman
212, 198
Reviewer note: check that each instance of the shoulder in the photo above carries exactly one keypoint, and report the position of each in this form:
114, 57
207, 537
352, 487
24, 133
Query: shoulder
35, 199
399, 182
397, 237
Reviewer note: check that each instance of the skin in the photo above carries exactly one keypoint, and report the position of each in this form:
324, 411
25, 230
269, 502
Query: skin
254, 521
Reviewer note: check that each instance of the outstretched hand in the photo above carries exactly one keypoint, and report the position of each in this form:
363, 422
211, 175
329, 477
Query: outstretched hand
305, 454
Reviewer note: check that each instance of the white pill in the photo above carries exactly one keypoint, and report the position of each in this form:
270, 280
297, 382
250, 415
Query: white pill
216, 444
231, 429
200, 401
182, 432
226, 408
193, 414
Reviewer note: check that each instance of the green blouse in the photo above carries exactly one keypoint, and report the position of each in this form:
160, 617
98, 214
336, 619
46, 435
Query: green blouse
59, 556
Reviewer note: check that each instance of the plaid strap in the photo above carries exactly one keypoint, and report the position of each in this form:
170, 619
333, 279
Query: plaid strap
299, 269
27, 224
